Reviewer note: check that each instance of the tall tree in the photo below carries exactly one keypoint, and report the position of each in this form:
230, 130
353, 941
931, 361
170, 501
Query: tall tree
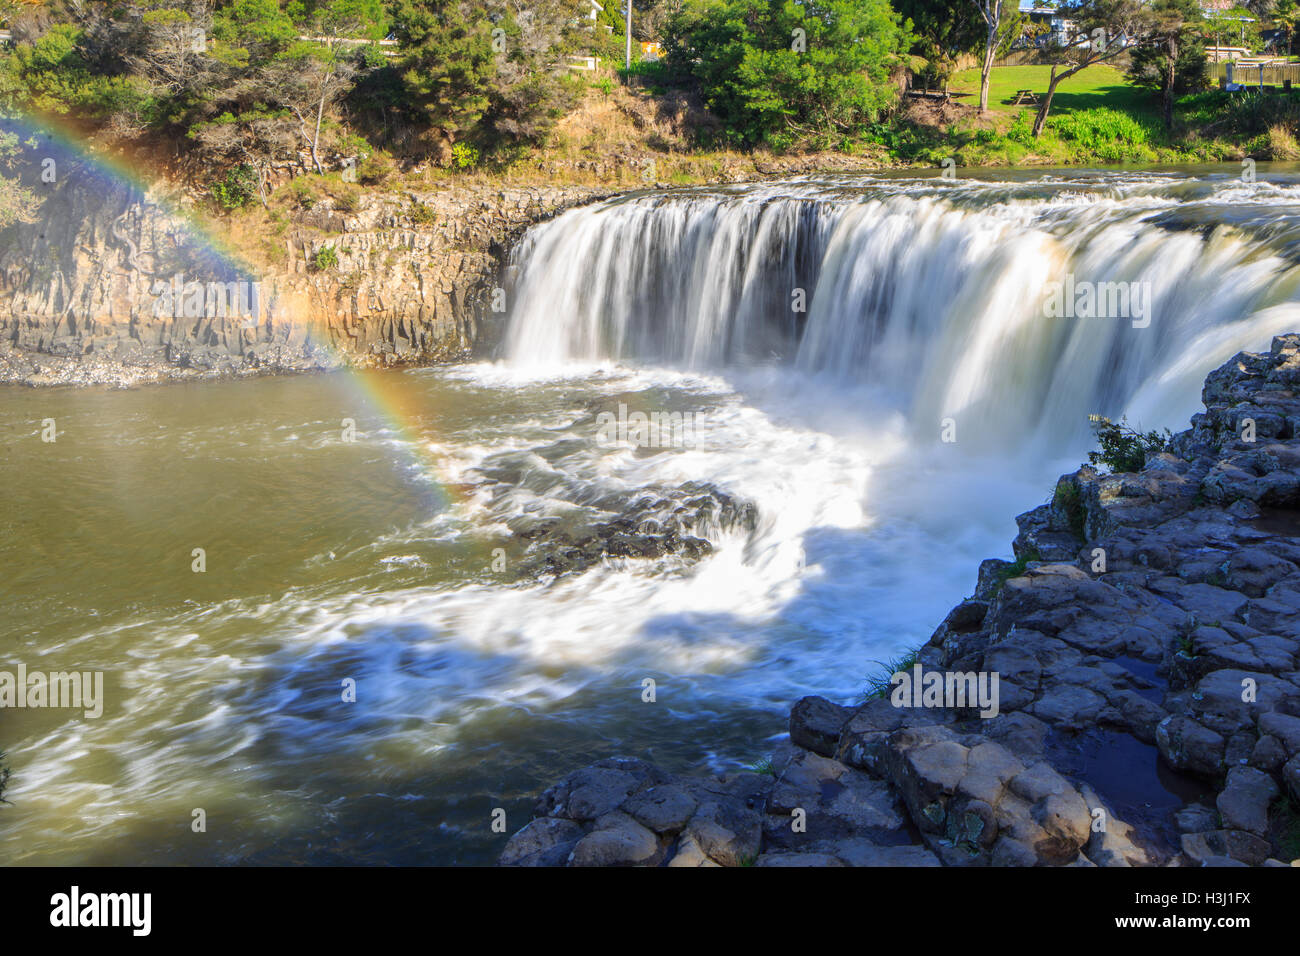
1171, 56
322, 65
1001, 24
942, 30
1285, 13
448, 61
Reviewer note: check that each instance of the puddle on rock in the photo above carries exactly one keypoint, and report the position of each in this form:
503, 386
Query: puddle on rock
1129, 775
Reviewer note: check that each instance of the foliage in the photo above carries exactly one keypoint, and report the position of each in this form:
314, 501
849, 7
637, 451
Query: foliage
1172, 57
464, 156
789, 73
764, 766
1015, 569
236, 189
326, 258
1124, 449
1069, 502
942, 29
1107, 134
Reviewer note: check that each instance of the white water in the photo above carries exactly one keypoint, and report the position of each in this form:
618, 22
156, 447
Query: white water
933, 296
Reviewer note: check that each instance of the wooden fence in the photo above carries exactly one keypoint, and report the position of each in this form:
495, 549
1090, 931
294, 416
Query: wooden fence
1249, 73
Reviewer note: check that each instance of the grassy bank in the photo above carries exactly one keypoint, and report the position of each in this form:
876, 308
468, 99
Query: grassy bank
642, 135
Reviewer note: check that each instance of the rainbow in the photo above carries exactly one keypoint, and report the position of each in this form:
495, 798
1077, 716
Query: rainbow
406, 410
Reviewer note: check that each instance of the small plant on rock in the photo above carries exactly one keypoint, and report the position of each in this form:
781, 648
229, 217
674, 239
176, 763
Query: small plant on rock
763, 765
879, 682
1014, 570
325, 258
1124, 449
1068, 500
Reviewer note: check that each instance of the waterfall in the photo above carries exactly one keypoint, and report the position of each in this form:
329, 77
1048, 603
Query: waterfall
936, 293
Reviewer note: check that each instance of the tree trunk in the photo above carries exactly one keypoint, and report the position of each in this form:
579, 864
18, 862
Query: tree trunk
1040, 120
986, 68
1170, 67
320, 113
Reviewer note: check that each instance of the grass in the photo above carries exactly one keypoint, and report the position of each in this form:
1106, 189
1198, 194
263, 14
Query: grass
878, 682
1067, 499
1014, 570
763, 765
1100, 86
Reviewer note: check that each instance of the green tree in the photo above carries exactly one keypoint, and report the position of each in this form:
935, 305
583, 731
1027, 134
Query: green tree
320, 69
1171, 54
787, 72
1285, 14
942, 30
448, 61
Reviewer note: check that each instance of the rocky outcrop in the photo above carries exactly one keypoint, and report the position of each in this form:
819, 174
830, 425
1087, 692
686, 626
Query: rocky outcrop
1147, 649
106, 285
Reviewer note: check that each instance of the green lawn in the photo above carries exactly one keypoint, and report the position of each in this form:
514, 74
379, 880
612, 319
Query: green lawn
1096, 86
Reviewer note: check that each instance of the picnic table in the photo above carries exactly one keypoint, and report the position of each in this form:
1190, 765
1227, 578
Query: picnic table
943, 95
1023, 96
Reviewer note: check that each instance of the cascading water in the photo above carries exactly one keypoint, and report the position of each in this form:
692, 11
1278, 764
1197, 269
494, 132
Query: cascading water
932, 293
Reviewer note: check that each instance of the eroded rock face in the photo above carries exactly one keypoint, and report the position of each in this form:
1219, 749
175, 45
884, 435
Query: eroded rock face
88, 291
1184, 642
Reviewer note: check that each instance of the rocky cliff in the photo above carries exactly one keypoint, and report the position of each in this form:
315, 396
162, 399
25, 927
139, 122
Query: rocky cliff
1146, 645
109, 285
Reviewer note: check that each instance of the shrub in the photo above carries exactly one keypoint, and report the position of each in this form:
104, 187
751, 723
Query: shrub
236, 189
1105, 133
1281, 143
464, 156
1124, 449
301, 194
377, 169
347, 200
325, 258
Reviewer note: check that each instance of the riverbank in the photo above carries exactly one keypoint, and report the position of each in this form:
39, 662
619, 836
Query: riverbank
1146, 647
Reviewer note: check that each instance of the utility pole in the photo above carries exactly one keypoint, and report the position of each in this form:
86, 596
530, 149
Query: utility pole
628, 24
